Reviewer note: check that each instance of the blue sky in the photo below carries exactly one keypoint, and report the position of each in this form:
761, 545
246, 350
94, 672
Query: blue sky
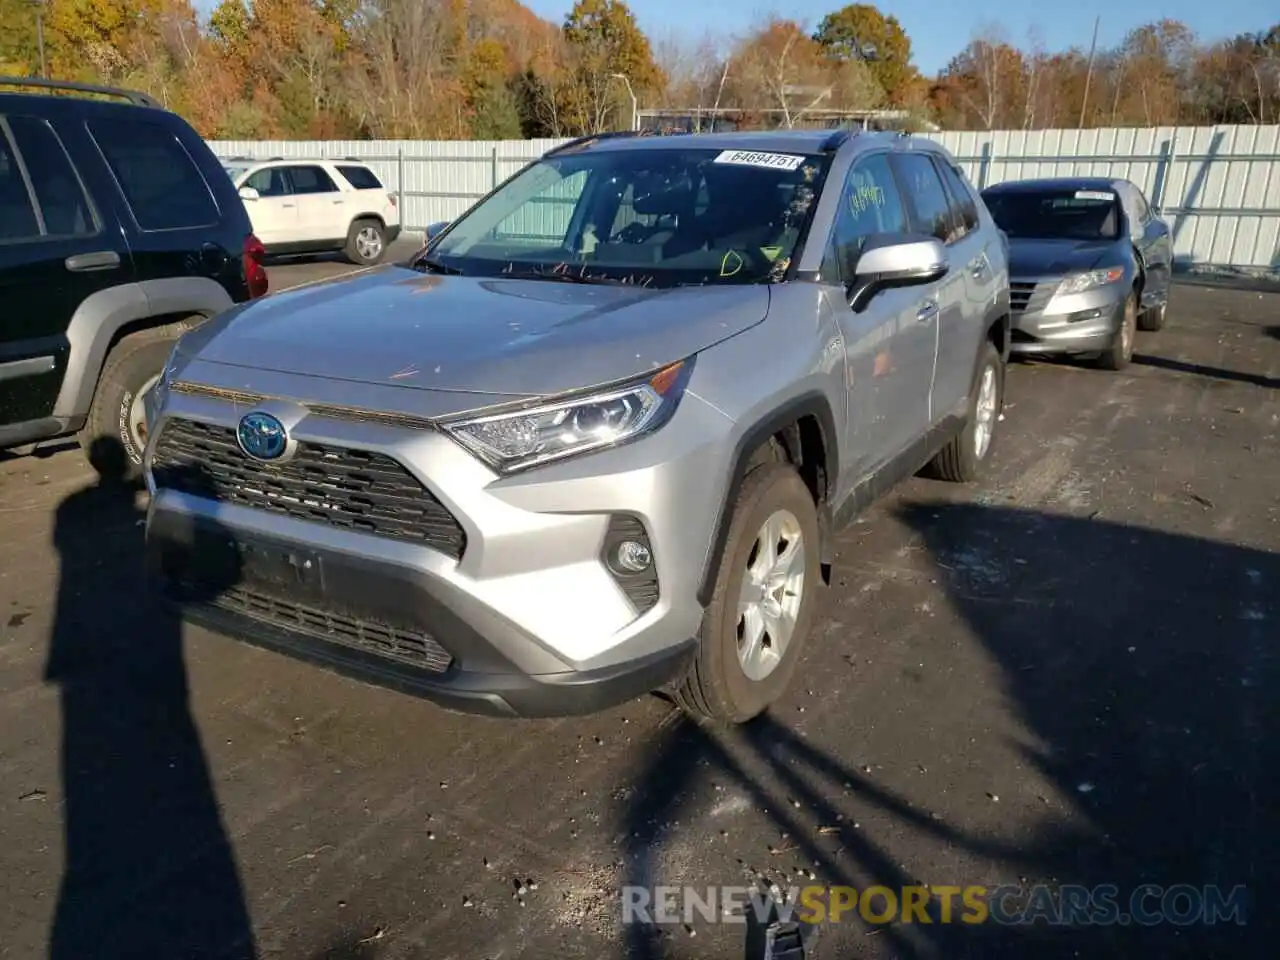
938, 30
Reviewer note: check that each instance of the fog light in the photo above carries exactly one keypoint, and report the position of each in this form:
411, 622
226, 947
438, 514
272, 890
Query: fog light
632, 557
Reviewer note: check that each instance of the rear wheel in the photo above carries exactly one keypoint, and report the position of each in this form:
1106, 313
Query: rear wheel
763, 605
1118, 355
961, 460
114, 437
366, 243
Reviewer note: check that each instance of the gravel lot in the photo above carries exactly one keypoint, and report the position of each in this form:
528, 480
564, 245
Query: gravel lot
1066, 674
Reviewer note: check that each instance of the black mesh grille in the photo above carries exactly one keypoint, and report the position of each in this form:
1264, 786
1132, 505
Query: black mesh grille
641, 588
354, 489
404, 645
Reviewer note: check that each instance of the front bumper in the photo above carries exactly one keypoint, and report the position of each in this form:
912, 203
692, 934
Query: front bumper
1044, 323
527, 621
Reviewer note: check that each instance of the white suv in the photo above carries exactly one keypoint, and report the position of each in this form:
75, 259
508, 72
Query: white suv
316, 206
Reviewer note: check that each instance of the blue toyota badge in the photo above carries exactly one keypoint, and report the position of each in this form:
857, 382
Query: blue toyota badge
262, 437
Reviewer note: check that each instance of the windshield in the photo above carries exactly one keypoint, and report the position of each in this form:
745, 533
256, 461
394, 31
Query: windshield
233, 171
655, 217
1062, 214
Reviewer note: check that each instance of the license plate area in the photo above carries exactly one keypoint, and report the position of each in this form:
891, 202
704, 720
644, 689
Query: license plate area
286, 572
214, 563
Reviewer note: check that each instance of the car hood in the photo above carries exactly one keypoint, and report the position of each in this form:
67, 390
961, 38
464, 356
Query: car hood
1050, 258
398, 327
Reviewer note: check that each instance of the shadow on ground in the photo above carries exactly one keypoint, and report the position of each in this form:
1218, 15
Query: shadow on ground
1140, 663
1200, 370
149, 869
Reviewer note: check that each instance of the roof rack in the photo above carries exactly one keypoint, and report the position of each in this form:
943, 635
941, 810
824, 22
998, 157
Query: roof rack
132, 96
837, 139
583, 141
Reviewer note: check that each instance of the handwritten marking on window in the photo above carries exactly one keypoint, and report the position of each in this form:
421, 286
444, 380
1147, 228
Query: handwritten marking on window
864, 196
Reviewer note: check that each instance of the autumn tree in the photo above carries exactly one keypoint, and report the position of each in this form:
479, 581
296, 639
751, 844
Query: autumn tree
604, 45
860, 32
985, 85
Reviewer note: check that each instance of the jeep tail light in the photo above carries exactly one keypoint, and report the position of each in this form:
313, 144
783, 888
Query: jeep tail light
255, 274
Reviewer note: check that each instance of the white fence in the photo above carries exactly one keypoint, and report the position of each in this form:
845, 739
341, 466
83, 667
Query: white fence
1218, 186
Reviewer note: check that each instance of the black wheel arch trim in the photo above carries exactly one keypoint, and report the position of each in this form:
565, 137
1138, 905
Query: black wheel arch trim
812, 403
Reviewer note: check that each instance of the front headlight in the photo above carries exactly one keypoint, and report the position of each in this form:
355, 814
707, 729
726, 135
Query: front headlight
1081, 282
521, 438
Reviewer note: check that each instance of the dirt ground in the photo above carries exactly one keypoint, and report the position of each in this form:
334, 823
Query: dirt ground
1066, 674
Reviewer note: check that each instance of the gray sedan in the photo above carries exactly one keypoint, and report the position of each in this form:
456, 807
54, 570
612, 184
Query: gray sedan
1089, 265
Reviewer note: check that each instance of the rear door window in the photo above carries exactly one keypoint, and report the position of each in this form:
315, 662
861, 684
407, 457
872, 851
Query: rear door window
311, 180
964, 207
930, 206
159, 180
362, 178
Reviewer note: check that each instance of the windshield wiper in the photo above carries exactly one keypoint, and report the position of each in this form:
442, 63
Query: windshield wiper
427, 264
540, 273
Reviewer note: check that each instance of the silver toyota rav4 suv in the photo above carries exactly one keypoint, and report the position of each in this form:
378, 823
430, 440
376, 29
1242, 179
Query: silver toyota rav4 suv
597, 438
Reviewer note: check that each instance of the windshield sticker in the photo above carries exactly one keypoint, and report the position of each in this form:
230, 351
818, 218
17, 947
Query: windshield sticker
1093, 195
752, 158
731, 264
771, 252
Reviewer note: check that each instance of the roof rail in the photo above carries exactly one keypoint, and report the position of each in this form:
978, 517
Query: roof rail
837, 140
133, 96
583, 141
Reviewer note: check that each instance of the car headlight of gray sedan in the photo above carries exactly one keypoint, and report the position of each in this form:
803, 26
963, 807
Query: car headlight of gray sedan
1090, 280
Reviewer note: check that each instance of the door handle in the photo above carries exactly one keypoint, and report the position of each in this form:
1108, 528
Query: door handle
100, 260
286, 206
927, 311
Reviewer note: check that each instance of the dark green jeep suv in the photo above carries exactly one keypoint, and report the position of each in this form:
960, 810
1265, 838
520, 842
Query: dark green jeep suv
119, 231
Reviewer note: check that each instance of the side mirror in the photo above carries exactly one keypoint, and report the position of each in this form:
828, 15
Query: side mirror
434, 230
896, 261
248, 193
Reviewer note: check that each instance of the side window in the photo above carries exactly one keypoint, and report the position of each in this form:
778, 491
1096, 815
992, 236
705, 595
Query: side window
311, 180
17, 214
362, 178
869, 204
964, 207
270, 182
159, 180
59, 193
929, 204
1141, 210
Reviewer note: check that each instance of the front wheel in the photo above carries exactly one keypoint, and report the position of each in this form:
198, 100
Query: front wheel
762, 608
1118, 355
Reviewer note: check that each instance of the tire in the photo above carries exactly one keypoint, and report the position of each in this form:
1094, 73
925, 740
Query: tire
962, 459
718, 687
1118, 355
110, 438
366, 243
1153, 319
